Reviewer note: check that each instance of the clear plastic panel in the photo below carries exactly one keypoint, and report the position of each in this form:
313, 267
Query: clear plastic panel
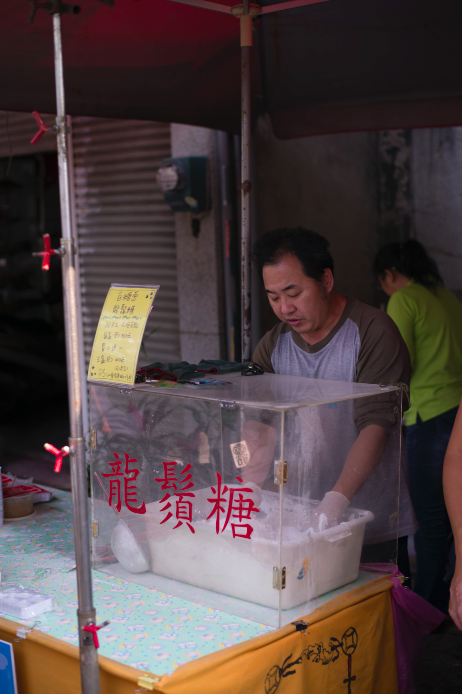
271, 391
358, 456
191, 494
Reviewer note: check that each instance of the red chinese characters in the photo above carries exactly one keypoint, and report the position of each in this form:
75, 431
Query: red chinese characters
239, 508
183, 506
115, 484
228, 504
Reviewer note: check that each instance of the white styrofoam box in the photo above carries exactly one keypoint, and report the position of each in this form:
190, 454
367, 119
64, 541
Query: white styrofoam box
316, 562
24, 604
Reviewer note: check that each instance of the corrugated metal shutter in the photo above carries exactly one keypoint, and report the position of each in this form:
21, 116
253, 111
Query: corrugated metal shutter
17, 130
125, 229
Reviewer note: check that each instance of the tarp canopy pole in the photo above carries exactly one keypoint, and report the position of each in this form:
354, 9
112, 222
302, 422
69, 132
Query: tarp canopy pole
86, 613
246, 185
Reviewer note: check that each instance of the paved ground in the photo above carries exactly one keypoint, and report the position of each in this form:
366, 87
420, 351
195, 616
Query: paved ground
439, 670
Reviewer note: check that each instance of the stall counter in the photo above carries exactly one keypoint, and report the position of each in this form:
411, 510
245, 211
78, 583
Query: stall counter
158, 641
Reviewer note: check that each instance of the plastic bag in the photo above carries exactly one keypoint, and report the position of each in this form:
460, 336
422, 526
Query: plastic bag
414, 618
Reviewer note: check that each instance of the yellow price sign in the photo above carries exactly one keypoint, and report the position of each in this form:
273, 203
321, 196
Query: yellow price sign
117, 342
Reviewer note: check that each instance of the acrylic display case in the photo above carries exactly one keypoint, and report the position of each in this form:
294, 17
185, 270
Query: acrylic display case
221, 490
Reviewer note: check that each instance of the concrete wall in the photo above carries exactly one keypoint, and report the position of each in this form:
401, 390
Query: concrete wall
363, 190
328, 184
199, 259
437, 194
360, 190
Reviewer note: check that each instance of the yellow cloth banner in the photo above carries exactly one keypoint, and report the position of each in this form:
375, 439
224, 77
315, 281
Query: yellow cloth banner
117, 342
348, 647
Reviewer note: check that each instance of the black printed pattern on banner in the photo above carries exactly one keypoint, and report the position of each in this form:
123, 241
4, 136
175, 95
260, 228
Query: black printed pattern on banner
316, 654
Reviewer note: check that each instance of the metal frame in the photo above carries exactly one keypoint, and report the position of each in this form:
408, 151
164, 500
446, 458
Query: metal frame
278, 7
83, 372
86, 613
246, 122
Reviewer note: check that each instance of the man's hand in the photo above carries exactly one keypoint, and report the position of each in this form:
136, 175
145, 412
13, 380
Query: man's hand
329, 512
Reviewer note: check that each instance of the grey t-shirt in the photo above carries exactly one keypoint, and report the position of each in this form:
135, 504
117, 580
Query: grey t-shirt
364, 346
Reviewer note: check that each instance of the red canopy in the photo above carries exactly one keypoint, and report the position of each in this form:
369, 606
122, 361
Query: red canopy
335, 66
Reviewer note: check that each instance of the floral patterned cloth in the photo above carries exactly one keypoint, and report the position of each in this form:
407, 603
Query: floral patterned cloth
149, 630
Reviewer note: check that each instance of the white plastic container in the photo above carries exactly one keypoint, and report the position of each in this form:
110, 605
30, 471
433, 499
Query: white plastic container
24, 604
315, 562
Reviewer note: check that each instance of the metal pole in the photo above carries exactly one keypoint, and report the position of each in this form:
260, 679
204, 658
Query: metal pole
83, 372
245, 14
245, 201
86, 613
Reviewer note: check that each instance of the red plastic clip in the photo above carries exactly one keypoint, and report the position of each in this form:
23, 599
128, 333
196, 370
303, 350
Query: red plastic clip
45, 254
42, 128
59, 454
93, 629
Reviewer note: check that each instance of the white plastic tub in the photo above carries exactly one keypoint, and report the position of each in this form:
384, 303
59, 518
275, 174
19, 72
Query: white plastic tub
315, 562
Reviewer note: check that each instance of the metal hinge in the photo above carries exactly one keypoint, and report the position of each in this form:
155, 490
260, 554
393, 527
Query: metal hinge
95, 526
280, 471
148, 681
93, 438
279, 578
226, 405
126, 391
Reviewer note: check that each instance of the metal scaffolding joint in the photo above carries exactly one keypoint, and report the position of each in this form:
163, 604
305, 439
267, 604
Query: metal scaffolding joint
239, 10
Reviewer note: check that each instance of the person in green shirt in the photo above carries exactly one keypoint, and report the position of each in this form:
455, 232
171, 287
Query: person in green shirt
429, 318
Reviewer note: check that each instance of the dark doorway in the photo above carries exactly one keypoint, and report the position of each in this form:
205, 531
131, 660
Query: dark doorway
33, 392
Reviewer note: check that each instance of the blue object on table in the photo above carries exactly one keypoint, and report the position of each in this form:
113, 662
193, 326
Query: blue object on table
8, 684
208, 382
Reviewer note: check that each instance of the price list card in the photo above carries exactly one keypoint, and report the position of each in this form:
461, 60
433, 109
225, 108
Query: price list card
117, 342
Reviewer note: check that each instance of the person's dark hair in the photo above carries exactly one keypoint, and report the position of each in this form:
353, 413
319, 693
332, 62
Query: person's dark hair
410, 259
311, 249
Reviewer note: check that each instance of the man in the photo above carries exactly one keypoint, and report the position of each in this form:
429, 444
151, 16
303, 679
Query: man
325, 335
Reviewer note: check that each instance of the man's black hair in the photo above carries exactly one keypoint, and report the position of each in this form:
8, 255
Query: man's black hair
311, 249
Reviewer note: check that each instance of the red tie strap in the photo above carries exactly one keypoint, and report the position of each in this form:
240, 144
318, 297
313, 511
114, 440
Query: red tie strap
47, 252
58, 453
42, 128
93, 629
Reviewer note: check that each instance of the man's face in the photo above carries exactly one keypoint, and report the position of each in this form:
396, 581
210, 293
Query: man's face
295, 298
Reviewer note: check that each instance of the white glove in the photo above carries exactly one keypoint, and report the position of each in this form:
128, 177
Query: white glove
330, 511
